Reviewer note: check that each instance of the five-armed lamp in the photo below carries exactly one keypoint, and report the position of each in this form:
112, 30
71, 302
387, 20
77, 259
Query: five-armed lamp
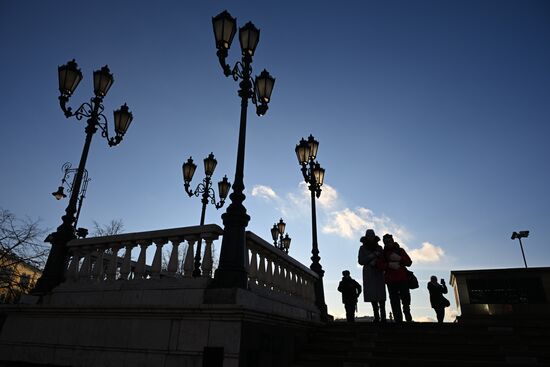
281, 241
314, 175
231, 271
69, 78
208, 194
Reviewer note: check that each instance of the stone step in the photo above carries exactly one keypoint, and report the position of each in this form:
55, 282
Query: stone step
375, 361
425, 344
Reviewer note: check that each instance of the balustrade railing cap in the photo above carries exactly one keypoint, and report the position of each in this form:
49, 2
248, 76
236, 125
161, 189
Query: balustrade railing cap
180, 232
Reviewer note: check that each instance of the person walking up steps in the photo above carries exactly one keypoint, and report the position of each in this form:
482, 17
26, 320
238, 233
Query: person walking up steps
350, 290
371, 256
437, 300
397, 279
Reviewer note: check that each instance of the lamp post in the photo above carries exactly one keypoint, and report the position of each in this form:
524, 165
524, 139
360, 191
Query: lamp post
231, 271
69, 78
314, 175
68, 171
279, 241
208, 194
519, 235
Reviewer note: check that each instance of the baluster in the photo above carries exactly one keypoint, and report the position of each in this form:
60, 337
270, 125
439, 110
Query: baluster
253, 267
127, 262
269, 274
113, 262
288, 280
189, 265
157, 260
173, 263
277, 284
293, 284
207, 261
261, 270
301, 287
72, 274
86, 268
139, 271
98, 271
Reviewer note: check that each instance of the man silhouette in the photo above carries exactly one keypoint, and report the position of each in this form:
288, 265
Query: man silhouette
350, 290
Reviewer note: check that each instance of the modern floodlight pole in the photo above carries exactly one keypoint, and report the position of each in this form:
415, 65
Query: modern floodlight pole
314, 175
522, 252
232, 270
519, 235
69, 78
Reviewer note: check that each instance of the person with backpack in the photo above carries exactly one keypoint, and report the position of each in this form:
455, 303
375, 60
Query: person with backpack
350, 290
396, 277
371, 256
437, 300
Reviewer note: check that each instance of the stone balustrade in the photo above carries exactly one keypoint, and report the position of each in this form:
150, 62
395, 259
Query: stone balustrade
272, 270
124, 257
110, 257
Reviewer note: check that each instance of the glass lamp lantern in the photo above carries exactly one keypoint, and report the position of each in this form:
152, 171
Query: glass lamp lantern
188, 169
69, 77
302, 151
249, 36
225, 27
313, 146
210, 165
223, 187
264, 87
319, 174
103, 80
123, 118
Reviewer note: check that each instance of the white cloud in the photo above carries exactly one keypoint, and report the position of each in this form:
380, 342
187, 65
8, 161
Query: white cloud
264, 192
350, 223
329, 197
428, 253
345, 223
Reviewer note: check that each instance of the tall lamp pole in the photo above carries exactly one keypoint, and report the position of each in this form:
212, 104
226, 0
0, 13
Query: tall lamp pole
60, 194
314, 175
69, 78
208, 194
232, 271
519, 235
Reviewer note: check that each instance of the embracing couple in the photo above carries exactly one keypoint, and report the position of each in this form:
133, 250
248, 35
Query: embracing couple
383, 266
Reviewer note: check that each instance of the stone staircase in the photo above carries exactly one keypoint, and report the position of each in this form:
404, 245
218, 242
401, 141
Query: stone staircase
425, 344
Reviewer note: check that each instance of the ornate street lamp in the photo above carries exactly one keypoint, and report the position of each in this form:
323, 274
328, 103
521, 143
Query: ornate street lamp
314, 176
280, 241
208, 194
231, 271
69, 172
69, 78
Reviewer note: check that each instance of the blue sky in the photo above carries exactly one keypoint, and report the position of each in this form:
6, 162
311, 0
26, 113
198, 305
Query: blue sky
432, 118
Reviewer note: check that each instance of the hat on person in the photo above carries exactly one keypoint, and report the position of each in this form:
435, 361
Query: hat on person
345, 273
387, 235
369, 236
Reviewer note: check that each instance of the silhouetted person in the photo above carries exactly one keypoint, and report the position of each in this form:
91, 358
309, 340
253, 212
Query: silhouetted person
371, 256
397, 279
437, 300
350, 292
